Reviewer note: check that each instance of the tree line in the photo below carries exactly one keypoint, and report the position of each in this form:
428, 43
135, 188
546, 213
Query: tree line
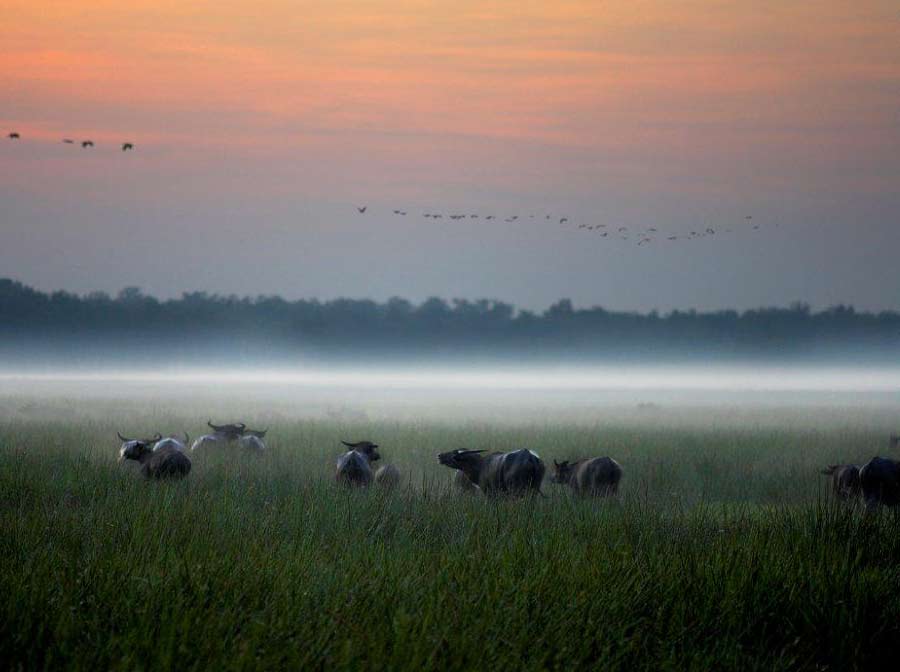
198, 322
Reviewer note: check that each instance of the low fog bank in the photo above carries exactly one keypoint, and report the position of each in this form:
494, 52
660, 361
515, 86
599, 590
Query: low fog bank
697, 395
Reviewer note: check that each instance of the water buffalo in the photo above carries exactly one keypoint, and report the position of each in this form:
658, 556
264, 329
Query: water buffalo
590, 476
462, 483
252, 440
844, 480
173, 442
168, 462
516, 472
880, 482
387, 477
221, 434
354, 466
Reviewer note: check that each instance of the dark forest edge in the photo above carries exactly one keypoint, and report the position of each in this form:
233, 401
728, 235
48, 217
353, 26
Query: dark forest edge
208, 326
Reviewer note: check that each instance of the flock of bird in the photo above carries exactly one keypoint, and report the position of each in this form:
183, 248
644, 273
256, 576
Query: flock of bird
640, 235
85, 144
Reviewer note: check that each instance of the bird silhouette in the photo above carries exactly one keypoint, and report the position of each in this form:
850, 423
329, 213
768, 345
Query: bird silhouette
396, 212
126, 146
673, 238
623, 228
14, 136
68, 141
362, 209
490, 217
563, 220
87, 143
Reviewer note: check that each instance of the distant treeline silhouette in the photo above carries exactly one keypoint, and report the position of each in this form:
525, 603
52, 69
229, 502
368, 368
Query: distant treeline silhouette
199, 323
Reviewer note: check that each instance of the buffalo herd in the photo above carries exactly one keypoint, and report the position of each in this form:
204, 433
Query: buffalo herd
518, 472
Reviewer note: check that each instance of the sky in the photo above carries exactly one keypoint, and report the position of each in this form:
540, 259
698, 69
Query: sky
260, 127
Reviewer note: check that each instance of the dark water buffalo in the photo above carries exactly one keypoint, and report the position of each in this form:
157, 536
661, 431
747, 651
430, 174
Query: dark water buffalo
844, 480
590, 476
880, 481
517, 472
355, 466
167, 462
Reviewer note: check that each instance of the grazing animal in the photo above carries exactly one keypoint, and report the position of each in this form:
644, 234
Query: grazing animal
880, 482
173, 442
387, 477
516, 472
126, 146
13, 136
87, 143
165, 463
462, 483
252, 440
354, 467
844, 480
222, 434
597, 476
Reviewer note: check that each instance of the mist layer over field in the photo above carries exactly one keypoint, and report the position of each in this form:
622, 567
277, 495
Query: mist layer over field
506, 393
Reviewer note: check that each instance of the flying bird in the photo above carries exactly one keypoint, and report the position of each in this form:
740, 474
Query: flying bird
362, 209
126, 146
68, 141
13, 136
564, 220
490, 217
87, 143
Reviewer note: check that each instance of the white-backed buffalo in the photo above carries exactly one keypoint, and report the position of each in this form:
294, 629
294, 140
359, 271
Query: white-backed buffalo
167, 462
880, 482
252, 440
222, 434
355, 466
173, 442
517, 472
387, 477
462, 483
845, 483
597, 476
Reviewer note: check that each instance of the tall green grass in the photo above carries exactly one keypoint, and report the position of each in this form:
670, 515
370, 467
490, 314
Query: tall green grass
723, 551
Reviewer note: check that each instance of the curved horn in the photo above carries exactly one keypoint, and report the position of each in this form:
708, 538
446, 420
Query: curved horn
123, 439
349, 445
555, 463
187, 439
464, 451
212, 426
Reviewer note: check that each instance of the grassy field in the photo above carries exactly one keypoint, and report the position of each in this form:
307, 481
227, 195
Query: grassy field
723, 550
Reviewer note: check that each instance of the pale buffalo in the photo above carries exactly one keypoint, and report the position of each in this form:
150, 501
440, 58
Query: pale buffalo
354, 467
845, 483
590, 476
